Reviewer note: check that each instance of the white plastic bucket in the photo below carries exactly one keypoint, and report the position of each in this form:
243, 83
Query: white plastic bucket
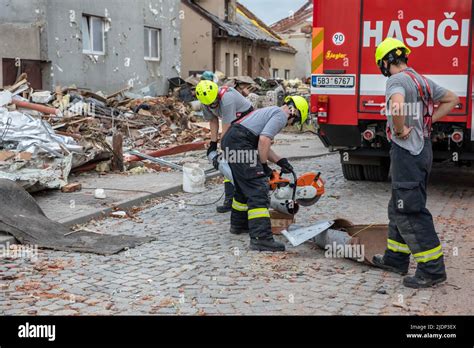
194, 178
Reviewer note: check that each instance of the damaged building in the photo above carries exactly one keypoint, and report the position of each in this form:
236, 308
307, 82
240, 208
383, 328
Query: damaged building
223, 35
97, 45
297, 30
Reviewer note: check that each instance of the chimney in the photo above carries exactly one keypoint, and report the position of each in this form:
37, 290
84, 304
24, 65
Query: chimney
224, 9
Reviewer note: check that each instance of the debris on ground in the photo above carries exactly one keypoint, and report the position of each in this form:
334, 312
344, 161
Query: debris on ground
260, 91
46, 135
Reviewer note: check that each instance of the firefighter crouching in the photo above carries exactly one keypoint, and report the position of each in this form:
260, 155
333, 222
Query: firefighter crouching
227, 104
411, 228
253, 135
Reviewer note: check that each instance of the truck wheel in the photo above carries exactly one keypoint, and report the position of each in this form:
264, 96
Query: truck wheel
376, 173
353, 172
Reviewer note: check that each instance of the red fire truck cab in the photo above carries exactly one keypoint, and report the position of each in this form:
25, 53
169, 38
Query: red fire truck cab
347, 88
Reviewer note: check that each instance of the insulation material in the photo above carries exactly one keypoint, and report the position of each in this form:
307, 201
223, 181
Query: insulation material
51, 158
26, 133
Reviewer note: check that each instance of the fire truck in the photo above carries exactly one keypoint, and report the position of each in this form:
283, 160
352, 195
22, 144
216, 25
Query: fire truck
348, 90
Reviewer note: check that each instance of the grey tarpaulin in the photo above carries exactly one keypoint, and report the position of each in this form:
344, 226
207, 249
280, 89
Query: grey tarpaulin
21, 217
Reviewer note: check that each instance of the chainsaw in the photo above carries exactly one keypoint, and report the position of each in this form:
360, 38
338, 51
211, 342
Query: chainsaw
287, 195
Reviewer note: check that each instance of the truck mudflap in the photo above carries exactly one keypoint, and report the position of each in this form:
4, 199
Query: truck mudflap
341, 135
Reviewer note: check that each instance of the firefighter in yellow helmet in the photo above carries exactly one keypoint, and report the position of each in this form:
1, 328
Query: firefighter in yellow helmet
410, 113
251, 137
224, 103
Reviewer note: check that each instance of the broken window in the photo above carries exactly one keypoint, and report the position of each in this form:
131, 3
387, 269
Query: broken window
93, 34
152, 43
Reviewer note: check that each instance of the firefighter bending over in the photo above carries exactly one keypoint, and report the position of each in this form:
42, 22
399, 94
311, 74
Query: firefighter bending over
254, 133
227, 104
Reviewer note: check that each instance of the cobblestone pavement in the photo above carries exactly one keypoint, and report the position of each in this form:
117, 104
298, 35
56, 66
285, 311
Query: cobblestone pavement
197, 267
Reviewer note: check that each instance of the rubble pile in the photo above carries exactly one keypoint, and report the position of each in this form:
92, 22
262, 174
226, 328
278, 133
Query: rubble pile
260, 91
298, 87
45, 135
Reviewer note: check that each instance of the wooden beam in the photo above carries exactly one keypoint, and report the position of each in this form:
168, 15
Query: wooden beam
117, 146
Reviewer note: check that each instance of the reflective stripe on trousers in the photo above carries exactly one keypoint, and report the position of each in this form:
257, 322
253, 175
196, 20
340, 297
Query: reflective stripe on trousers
258, 213
239, 206
429, 255
397, 247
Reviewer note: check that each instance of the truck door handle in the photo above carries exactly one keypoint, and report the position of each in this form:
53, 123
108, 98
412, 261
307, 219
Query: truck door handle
372, 104
458, 106
381, 105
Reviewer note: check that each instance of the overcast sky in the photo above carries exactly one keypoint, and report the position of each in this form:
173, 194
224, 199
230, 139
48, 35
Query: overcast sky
271, 11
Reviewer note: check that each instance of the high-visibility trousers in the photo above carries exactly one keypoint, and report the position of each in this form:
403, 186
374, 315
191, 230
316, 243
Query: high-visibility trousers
251, 197
411, 228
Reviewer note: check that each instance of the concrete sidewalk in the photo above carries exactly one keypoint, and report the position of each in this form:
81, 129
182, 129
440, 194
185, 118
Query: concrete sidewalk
125, 191
299, 146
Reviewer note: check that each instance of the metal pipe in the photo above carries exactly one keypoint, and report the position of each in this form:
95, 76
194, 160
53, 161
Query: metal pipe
157, 160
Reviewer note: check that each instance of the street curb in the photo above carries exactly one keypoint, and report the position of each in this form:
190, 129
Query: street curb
124, 205
127, 204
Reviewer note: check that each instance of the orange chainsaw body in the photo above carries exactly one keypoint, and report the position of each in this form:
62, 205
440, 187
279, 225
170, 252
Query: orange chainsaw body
307, 179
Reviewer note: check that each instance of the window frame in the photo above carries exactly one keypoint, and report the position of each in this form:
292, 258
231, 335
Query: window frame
277, 71
91, 35
148, 52
287, 74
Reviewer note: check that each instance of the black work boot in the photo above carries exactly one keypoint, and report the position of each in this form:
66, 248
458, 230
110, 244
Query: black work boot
379, 261
236, 230
226, 207
418, 281
266, 245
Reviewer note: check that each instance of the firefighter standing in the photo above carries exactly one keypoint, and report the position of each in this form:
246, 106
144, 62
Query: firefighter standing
221, 103
254, 134
411, 228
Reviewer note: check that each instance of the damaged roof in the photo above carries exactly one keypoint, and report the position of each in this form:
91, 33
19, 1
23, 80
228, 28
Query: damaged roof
303, 14
246, 25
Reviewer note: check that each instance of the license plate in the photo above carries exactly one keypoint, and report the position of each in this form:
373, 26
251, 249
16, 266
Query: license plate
331, 81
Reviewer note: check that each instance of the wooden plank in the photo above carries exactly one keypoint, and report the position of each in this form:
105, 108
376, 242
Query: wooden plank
16, 85
117, 158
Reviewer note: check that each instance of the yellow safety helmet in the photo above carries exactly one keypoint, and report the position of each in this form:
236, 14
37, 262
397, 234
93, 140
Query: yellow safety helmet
207, 91
387, 46
302, 106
